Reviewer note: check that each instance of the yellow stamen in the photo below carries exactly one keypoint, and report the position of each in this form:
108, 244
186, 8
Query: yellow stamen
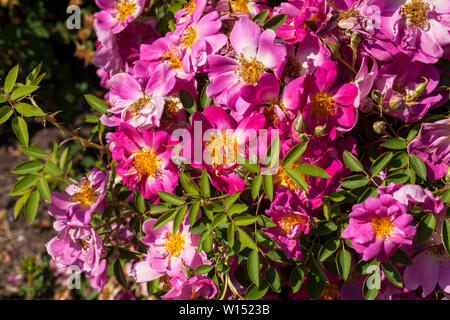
330, 292
171, 57
171, 106
382, 226
86, 196
249, 70
189, 7
174, 244
82, 243
416, 12
292, 68
322, 106
124, 8
223, 150
189, 37
138, 105
289, 220
146, 162
239, 5
345, 14
281, 178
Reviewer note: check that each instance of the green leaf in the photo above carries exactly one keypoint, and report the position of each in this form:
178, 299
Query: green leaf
268, 186
392, 274
19, 204
314, 286
261, 17
63, 158
328, 249
353, 182
181, 214
399, 160
395, 144
246, 240
253, 266
171, 198
164, 219
255, 293
325, 227
381, 163
445, 196
230, 235
129, 254
188, 102
312, 170
296, 278
218, 220
265, 222
20, 129
204, 99
266, 241
33, 152
425, 228
23, 91
231, 200
204, 184
237, 208
418, 165
11, 79
96, 103
160, 208
24, 184
445, 235
370, 192
120, 275
5, 113
207, 243
245, 220
28, 110
352, 162
31, 206
317, 269
188, 184
44, 189
397, 178
297, 178
193, 212
273, 278
256, 186
28, 167
294, 154
205, 268
400, 256
52, 169
274, 22
371, 286
343, 263
273, 153
278, 256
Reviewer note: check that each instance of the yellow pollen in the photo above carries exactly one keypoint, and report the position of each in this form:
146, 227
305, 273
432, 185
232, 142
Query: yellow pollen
249, 70
82, 243
189, 7
86, 196
239, 5
322, 106
281, 178
124, 8
416, 12
269, 110
345, 14
189, 37
289, 220
223, 150
174, 244
171, 107
146, 162
382, 226
138, 105
330, 292
171, 57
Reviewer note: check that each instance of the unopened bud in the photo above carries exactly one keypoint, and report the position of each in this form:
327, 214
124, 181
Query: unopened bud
420, 88
319, 131
395, 102
299, 124
377, 97
379, 127
447, 174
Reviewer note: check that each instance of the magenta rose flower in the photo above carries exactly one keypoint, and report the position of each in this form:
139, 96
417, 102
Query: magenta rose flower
117, 14
188, 289
432, 145
378, 227
144, 160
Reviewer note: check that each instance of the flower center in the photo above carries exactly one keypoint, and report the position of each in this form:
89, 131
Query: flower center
171, 106
416, 12
190, 6
382, 226
330, 292
322, 106
239, 5
174, 244
146, 162
289, 220
124, 9
292, 68
250, 70
284, 180
82, 243
223, 150
171, 57
189, 37
86, 196
138, 105
345, 14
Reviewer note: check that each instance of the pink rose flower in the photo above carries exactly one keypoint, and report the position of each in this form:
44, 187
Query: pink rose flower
117, 14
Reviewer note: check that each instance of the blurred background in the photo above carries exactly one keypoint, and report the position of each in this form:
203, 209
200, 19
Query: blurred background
31, 32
